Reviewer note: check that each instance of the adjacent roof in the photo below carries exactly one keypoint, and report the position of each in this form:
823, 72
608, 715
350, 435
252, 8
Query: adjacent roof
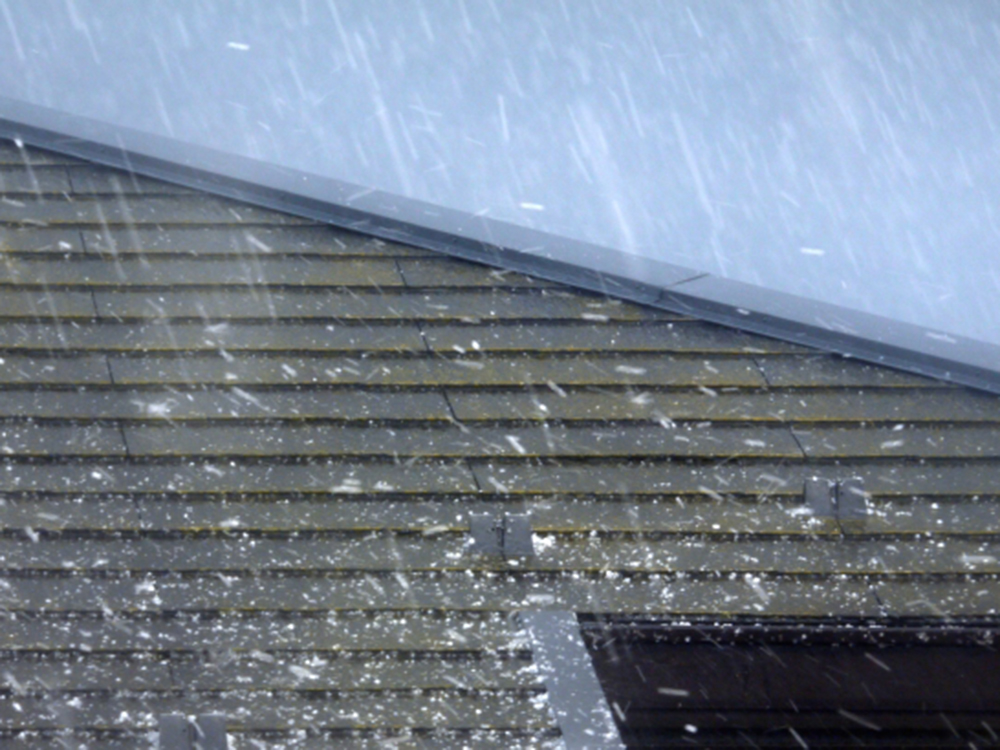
242, 449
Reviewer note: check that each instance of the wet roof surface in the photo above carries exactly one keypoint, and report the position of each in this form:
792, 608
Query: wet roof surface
242, 450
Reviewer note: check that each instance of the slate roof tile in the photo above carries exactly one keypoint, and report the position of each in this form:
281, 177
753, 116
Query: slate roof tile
229, 240
241, 451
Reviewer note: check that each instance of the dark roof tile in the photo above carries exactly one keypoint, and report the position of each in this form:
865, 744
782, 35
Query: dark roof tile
15, 180
230, 239
262, 709
680, 336
189, 337
924, 442
226, 405
445, 441
172, 273
243, 451
45, 304
338, 304
786, 405
336, 477
38, 241
812, 370
128, 211
53, 370
28, 439
90, 179
239, 369
153, 631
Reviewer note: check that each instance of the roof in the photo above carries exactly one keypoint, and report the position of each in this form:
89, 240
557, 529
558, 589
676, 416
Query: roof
242, 451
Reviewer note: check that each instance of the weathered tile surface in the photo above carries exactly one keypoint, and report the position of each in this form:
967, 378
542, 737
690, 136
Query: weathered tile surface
225, 405
45, 304
448, 273
335, 303
240, 452
239, 369
35, 182
39, 241
686, 336
44, 370
229, 239
795, 406
29, 439
335, 477
225, 336
815, 370
446, 441
171, 273
95, 180
137, 210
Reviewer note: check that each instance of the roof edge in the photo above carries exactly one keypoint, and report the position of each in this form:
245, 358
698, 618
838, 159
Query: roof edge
800, 320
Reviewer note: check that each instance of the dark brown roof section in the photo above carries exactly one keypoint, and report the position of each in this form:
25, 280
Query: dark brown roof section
241, 452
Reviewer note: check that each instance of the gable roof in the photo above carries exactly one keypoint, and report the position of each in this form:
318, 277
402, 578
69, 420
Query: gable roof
242, 451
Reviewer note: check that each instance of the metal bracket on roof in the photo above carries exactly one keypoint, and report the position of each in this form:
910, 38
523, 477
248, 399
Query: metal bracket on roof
852, 505
574, 693
207, 732
508, 535
844, 501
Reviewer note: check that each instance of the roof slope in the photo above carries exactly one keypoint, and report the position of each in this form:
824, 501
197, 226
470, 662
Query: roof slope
242, 450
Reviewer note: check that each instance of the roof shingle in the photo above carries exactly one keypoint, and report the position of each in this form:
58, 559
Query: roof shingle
241, 451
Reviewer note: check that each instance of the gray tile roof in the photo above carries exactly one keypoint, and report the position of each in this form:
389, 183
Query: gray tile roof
241, 450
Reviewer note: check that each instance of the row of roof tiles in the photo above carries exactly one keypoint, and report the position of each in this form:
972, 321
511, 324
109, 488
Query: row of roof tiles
242, 452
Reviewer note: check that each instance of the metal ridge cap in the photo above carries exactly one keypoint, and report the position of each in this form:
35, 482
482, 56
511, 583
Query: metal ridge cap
851, 333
